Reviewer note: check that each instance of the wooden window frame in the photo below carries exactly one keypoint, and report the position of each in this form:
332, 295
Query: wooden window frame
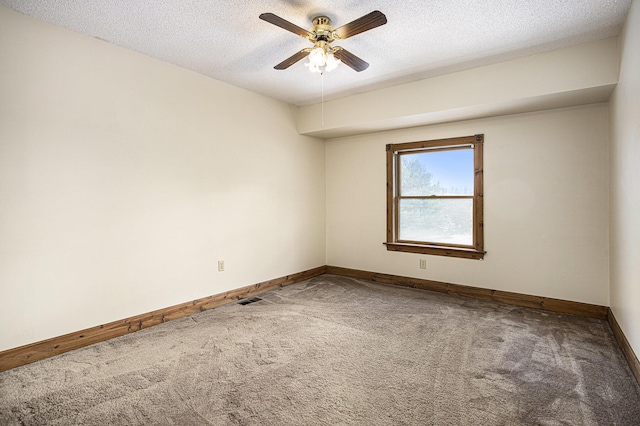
474, 251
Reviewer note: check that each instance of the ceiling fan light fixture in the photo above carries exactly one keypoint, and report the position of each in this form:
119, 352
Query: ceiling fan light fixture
318, 56
314, 68
331, 62
321, 56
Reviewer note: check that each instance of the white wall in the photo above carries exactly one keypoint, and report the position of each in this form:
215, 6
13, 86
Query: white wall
546, 205
625, 184
124, 179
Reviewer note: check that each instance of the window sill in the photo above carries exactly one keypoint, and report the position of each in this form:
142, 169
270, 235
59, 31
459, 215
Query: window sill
467, 253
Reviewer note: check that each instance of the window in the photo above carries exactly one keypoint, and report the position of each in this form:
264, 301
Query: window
434, 197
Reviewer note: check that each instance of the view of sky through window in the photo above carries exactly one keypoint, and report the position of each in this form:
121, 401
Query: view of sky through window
450, 171
453, 170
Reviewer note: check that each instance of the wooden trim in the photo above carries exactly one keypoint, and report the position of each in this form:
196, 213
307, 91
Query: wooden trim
390, 195
516, 299
478, 200
27, 354
627, 350
22, 355
476, 251
434, 143
467, 253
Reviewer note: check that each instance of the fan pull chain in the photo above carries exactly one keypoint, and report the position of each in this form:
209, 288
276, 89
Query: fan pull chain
322, 99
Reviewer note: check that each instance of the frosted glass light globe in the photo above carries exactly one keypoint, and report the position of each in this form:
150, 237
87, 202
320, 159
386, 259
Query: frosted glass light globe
317, 56
313, 68
332, 62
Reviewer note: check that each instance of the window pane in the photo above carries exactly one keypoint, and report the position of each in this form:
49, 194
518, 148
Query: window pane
448, 221
448, 172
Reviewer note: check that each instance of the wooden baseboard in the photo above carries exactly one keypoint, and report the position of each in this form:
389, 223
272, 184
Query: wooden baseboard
517, 299
627, 350
47, 348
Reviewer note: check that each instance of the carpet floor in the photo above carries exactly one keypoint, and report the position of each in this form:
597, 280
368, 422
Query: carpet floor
332, 351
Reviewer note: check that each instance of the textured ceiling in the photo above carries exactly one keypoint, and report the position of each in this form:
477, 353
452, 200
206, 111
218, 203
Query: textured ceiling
226, 41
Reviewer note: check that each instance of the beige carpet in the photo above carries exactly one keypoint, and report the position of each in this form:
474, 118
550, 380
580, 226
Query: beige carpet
333, 351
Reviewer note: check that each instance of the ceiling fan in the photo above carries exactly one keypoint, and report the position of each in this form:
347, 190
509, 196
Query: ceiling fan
322, 56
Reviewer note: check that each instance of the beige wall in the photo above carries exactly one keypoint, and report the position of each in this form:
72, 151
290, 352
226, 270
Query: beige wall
625, 184
124, 179
577, 75
546, 205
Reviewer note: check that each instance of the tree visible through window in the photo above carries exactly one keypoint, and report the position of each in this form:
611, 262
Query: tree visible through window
434, 197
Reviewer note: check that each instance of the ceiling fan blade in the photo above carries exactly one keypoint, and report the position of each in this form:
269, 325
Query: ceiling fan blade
283, 23
360, 25
293, 59
350, 60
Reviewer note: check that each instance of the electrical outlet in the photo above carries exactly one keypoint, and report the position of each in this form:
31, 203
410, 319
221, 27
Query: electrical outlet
423, 263
220, 265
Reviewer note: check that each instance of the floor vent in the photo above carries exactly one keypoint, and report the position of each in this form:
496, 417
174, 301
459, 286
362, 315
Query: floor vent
251, 300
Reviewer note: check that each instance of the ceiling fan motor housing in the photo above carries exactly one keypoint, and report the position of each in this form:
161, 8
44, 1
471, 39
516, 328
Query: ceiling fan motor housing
322, 30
